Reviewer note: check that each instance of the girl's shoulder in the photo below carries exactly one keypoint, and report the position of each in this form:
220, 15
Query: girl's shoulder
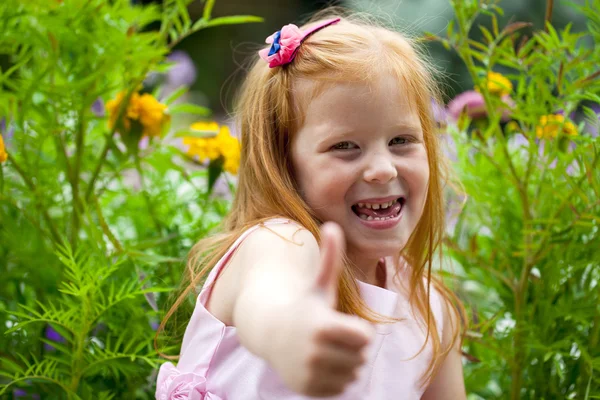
277, 242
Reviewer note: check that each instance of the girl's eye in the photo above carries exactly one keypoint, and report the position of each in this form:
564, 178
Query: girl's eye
398, 140
344, 146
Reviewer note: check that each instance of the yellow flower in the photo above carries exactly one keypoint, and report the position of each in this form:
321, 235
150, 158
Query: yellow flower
222, 145
144, 109
205, 126
551, 125
3, 154
151, 115
498, 84
230, 148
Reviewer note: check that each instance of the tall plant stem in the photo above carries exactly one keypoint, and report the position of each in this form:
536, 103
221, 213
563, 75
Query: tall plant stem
145, 194
53, 231
120, 114
77, 361
548, 16
79, 149
522, 284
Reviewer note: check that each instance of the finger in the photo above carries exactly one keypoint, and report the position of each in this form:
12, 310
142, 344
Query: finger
349, 332
338, 360
331, 385
332, 252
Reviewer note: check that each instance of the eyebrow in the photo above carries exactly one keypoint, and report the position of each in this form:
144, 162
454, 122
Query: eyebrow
342, 134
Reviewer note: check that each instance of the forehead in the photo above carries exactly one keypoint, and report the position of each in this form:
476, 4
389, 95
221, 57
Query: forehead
379, 103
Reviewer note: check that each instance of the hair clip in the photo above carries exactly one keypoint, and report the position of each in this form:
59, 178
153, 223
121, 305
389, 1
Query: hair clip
286, 42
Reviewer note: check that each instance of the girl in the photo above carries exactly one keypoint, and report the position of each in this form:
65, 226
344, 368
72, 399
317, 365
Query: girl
338, 149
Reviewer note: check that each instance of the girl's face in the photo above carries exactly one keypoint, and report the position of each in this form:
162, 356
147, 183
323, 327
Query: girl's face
359, 149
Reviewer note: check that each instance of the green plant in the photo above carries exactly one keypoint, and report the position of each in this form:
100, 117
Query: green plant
94, 225
527, 242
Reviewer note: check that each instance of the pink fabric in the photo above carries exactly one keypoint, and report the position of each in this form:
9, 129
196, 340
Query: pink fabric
215, 366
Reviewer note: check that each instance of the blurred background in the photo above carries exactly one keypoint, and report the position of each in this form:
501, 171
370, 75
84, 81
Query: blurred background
213, 58
142, 194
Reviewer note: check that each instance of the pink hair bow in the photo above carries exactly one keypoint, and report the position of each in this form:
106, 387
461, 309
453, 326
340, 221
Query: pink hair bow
285, 43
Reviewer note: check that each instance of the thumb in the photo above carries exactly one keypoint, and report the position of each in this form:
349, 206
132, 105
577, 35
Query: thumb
331, 264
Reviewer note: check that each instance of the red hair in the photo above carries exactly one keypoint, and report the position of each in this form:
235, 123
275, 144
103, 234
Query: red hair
268, 117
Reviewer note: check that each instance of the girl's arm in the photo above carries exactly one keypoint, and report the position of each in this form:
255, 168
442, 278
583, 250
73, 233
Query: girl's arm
284, 309
449, 383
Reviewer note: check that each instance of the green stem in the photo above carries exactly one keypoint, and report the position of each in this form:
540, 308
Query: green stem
78, 362
522, 285
101, 160
105, 227
25, 214
548, 16
53, 231
120, 113
76, 206
146, 195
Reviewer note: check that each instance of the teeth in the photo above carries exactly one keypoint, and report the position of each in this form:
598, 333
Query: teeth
371, 218
376, 206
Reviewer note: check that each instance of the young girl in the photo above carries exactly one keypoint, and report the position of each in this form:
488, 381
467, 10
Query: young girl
339, 149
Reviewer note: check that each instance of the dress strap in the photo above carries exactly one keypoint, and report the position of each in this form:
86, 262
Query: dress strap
214, 274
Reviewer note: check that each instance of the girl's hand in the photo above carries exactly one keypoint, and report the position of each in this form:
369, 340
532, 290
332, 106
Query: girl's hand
317, 350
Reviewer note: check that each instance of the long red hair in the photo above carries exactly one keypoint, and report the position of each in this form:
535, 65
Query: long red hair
267, 117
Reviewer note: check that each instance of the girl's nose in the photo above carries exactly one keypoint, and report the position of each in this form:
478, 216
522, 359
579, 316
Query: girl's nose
380, 169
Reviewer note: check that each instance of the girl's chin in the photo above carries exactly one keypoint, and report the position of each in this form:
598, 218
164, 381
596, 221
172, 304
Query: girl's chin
375, 251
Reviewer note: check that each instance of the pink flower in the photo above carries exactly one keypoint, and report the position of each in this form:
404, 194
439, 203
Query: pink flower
173, 385
284, 44
473, 104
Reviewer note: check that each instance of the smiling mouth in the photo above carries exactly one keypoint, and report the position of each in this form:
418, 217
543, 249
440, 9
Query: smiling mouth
379, 211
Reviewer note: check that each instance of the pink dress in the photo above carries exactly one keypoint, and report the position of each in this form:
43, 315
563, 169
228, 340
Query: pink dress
214, 366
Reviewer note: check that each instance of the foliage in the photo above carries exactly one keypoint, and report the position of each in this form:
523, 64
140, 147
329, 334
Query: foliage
97, 211
95, 224
527, 242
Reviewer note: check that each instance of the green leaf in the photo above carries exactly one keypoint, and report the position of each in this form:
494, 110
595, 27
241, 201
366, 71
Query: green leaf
207, 12
486, 34
175, 95
450, 29
215, 168
188, 109
233, 20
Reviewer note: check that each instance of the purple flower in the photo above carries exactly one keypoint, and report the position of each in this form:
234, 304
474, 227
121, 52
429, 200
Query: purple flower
54, 336
183, 73
144, 143
573, 169
439, 113
18, 393
449, 147
473, 104
562, 112
517, 140
7, 131
221, 188
98, 107
593, 127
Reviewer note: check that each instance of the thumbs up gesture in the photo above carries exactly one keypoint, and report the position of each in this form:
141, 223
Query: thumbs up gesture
319, 350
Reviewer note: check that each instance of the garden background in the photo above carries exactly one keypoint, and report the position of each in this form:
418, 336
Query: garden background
116, 156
